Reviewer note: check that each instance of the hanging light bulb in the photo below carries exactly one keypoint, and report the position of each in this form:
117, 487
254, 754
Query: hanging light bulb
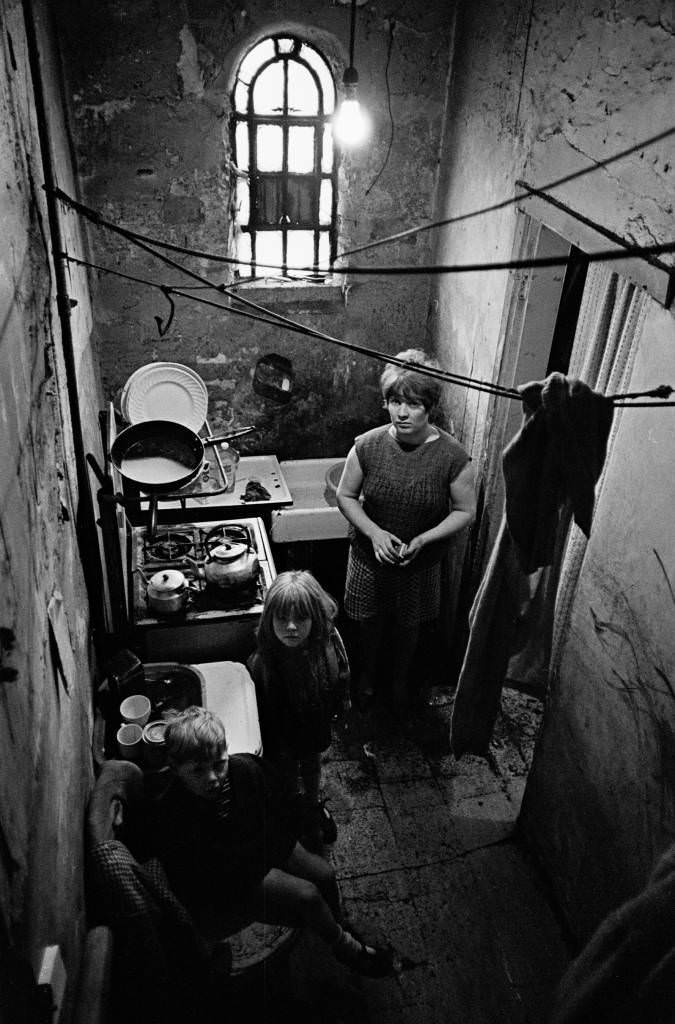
351, 124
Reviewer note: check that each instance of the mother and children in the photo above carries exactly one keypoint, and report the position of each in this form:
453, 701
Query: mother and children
227, 829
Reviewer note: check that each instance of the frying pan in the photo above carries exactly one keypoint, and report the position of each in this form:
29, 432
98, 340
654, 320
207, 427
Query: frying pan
161, 456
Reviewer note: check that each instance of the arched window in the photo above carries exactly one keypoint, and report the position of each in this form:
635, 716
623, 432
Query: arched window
284, 97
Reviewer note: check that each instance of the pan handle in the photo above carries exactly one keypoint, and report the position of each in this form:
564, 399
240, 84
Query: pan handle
207, 441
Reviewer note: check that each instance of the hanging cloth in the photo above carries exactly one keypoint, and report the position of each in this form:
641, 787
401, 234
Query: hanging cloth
550, 470
557, 456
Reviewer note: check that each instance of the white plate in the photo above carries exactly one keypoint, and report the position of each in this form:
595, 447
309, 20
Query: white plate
165, 391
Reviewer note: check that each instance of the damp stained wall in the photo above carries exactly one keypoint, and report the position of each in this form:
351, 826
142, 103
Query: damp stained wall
538, 91
45, 637
149, 92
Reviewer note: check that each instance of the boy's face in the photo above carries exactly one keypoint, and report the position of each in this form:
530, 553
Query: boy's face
203, 778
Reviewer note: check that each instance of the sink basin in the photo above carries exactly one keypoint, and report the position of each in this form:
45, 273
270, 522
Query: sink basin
172, 686
314, 514
332, 480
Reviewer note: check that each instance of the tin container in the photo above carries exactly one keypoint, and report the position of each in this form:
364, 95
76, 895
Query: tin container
154, 747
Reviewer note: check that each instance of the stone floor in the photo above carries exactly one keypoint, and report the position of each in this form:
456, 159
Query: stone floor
428, 861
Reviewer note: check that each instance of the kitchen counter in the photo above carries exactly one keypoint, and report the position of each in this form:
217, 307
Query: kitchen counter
264, 468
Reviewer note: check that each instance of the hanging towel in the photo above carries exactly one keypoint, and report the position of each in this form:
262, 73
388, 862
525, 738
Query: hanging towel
556, 456
626, 973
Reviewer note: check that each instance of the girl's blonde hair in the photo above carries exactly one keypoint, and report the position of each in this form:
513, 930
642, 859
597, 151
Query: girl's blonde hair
195, 734
399, 382
296, 592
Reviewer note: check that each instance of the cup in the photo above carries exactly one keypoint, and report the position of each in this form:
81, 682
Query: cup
135, 710
130, 741
154, 747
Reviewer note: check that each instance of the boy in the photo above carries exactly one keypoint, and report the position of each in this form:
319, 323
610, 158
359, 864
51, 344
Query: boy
227, 842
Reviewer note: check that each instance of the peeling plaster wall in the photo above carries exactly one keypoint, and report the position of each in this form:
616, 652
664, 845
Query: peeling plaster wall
150, 100
45, 710
540, 90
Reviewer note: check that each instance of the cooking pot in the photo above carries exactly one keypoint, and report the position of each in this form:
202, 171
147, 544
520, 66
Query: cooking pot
167, 591
230, 564
160, 457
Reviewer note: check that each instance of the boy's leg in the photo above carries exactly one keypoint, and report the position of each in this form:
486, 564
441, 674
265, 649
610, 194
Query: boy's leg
282, 898
313, 868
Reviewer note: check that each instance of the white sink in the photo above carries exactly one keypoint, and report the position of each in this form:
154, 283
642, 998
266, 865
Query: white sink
314, 514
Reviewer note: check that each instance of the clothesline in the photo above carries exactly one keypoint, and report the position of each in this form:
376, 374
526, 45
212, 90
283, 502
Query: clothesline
276, 319
606, 255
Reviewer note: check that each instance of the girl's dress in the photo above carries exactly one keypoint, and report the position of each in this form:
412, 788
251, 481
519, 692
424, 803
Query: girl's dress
299, 696
406, 493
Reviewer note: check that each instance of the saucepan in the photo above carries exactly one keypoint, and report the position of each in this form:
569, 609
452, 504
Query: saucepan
160, 456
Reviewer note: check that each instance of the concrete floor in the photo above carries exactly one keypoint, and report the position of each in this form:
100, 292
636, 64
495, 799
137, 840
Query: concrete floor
427, 861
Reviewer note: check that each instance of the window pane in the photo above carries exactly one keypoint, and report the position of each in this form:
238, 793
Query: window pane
257, 56
244, 269
301, 200
285, 45
241, 145
268, 91
268, 199
242, 201
268, 250
327, 153
300, 248
270, 147
300, 150
324, 250
241, 97
326, 202
317, 62
303, 97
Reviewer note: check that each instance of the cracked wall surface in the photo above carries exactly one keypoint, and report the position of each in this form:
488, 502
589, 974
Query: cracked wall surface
150, 100
538, 91
45, 628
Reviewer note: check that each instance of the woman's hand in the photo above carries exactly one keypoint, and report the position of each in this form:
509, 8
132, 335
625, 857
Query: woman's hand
409, 552
386, 546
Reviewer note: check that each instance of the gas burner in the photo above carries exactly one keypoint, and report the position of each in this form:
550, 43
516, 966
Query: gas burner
225, 533
169, 546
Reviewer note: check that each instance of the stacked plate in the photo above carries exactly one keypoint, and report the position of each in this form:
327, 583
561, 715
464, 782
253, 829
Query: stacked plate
165, 391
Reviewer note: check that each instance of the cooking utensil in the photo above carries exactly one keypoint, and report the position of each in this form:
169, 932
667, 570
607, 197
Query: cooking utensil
230, 564
168, 391
160, 457
167, 591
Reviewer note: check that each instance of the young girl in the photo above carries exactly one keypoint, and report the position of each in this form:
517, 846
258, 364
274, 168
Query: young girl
301, 674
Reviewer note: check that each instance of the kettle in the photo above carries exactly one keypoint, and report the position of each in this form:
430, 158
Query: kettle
167, 591
230, 564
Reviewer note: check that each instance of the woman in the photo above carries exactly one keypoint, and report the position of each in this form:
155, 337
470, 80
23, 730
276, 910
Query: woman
417, 486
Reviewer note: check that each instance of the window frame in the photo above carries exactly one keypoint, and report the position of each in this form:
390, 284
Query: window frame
320, 122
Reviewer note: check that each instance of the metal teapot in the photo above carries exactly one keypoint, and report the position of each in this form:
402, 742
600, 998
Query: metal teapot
167, 591
230, 564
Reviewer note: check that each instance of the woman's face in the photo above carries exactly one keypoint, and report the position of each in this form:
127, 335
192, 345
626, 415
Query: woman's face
291, 629
409, 417
205, 777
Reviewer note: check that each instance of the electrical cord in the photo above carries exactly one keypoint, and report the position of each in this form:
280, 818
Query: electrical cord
392, 27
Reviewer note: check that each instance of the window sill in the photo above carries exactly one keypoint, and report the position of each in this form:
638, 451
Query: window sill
329, 289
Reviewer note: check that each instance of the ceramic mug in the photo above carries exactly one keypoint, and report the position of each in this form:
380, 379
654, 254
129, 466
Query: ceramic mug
135, 710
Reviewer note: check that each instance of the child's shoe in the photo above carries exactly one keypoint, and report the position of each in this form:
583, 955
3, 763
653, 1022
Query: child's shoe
369, 961
326, 823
